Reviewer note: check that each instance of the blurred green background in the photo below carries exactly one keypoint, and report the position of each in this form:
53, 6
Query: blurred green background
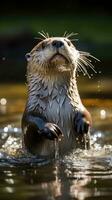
20, 22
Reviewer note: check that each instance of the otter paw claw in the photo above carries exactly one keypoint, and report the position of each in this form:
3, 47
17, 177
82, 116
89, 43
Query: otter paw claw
51, 131
81, 125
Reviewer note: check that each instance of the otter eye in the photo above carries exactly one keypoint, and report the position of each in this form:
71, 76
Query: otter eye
69, 43
28, 56
43, 45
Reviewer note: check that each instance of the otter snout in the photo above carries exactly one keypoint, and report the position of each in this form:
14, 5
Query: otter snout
53, 53
57, 44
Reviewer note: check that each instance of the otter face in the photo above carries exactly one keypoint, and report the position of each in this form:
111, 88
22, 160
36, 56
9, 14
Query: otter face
56, 53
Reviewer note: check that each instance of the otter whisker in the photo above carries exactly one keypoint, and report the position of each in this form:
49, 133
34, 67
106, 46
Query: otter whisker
38, 38
91, 66
65, 33
69, 35
83, 67
47, 34
87, 62
84, 53
94, 57
79, 69
88, 54
75, 39
44, 35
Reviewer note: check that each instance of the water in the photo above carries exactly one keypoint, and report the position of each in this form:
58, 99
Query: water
84, 174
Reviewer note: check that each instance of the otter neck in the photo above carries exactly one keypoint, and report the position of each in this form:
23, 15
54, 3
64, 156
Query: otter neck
49, 86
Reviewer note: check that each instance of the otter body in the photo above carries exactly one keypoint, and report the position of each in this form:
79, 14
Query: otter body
54, 109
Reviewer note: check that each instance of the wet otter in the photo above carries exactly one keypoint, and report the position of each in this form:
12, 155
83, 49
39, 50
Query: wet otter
54, 107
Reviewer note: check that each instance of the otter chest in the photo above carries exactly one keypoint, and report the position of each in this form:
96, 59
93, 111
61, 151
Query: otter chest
55, 105
53, 102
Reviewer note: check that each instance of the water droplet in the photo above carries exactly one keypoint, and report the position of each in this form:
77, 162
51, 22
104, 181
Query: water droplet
9, 189
103, 114
9, 126
95, 181
6, 129
9, 181
99, 86
3, 101
4, 135
99, 134
3, 58
15, 129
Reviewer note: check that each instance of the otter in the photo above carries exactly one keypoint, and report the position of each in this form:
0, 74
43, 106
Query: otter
54, 110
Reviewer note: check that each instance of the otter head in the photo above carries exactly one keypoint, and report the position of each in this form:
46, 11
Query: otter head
54, 55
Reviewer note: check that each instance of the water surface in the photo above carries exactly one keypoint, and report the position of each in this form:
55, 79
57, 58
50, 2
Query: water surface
81, 175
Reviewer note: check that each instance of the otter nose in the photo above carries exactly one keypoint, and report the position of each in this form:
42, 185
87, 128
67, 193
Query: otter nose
57, 43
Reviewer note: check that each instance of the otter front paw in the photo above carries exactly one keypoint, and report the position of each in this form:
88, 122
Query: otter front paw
51, 131
81, 124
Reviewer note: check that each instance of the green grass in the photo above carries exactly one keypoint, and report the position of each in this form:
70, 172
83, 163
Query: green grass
94, 31
96, 28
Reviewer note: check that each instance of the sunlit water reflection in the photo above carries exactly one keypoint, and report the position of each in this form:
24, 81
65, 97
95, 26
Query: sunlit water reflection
84, 174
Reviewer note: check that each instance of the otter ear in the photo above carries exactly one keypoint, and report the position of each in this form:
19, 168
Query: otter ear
28, 56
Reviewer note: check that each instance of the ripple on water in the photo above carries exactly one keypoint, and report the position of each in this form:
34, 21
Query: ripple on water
11, 153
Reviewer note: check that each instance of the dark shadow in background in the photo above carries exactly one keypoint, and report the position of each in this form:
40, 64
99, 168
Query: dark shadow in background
21, 20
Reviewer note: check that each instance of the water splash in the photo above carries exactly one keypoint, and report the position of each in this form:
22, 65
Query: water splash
11, 151
99, 157
56, 149
12, 154
3, 101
